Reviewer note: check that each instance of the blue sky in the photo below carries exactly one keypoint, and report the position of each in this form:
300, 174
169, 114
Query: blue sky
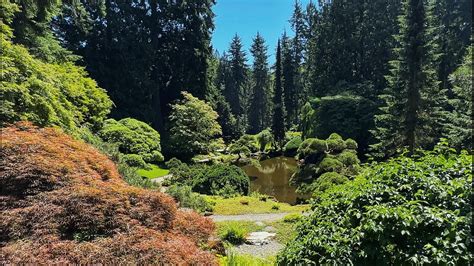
246, 17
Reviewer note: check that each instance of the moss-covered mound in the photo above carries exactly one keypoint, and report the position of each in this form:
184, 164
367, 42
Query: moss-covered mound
61, 201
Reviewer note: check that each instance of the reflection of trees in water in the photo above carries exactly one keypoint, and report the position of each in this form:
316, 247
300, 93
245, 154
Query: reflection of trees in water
273, 178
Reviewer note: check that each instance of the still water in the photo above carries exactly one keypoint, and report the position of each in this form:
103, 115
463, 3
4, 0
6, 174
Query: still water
272, 177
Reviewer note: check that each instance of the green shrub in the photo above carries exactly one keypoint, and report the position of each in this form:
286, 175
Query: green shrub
222, 180
292, 145
233, 233
407, 211
326, 181
325, 156
134, 138
263, 138
330, 165
293, 218
348, 115
47, 94
189, 199
134, 160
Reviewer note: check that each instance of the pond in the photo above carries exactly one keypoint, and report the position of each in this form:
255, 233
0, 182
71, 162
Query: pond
272, 177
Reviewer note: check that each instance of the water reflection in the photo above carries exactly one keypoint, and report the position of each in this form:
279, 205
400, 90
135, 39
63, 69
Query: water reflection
272, 177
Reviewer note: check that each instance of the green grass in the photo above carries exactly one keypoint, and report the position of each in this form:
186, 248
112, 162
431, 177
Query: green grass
284, 231
246, 204
154, 172
233, 259
246, 226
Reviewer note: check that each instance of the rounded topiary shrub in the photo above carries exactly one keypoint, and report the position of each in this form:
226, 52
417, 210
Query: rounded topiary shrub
292, 145
223, 180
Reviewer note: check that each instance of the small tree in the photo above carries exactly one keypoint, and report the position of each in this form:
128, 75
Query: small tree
245, 145
264, 138
194, 126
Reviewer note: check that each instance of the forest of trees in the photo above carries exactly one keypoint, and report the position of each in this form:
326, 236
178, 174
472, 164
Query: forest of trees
386, 82
391, 60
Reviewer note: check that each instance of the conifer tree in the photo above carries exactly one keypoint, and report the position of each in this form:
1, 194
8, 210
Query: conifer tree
237, 76
259, 105
289, 76
458, 126
299, 42
278, 126
411, 114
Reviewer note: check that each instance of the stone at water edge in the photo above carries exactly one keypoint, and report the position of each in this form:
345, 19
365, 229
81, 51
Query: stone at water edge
259, 238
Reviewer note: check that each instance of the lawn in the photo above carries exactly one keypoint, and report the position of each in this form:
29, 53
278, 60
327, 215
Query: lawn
247, 204
154, 172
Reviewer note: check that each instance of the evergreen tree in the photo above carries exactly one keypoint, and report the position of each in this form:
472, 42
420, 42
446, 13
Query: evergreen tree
299, 42
233, 90
411, 115
259, 105
452, 21
289, 73
144, 53
350, 43
458, 126
278, 126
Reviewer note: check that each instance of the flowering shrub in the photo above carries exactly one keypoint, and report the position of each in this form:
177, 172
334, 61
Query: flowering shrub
62, 201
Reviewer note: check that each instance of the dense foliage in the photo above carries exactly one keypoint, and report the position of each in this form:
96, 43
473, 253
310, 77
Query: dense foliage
325, 162
64, 202
347, 115
144, 53
59, 94
138, 141
458, 123
404, 211
189, 199
222, 180
194, 127
219, 179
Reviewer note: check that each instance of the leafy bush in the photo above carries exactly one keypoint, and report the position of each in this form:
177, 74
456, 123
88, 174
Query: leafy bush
292, 145
189, 199
64, 201
263, 138
222, 180
139, 141
233, 233
334, 159
47, 94
219, 179
406, 211
128, 173
293, 218
194, 127
134, 160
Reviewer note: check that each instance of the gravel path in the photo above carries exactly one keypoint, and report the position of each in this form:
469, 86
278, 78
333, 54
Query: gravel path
263, 251
161, 179
260, 217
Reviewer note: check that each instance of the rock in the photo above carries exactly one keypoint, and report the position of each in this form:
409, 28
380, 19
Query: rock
260, 238
269, 229
259, 223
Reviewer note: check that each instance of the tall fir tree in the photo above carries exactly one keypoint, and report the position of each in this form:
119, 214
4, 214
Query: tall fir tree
411, 116
299, 42
278, 126
289, 76
452, 21
259, 102
458, 123
144, 53
237, 75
